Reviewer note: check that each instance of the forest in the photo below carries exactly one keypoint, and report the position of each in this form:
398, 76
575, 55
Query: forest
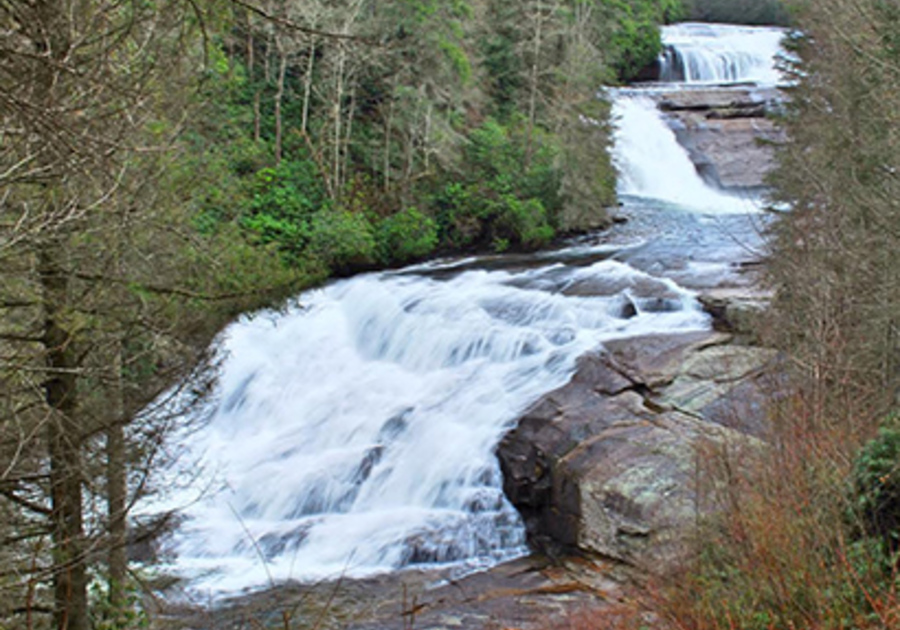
167, 165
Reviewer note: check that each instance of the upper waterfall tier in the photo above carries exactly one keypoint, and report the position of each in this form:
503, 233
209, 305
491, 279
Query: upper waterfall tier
720, 53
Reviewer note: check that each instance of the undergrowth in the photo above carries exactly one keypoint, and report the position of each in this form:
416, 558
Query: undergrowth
803, 535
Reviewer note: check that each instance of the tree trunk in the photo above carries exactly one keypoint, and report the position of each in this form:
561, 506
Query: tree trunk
426, 139
307, 87
251, 64
535, 75
348, 135
251, 52
267, 63
116, 449
338, 117
117, 489
64, 437
388, 127
279, 96
64, 434
257, 116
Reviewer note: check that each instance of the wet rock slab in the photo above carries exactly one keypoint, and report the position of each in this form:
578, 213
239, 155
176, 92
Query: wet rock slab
529, 593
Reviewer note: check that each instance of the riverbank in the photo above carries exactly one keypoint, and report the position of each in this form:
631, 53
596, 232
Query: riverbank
529, 593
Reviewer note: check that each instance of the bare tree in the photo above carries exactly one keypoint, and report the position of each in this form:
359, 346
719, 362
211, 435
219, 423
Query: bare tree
836, 254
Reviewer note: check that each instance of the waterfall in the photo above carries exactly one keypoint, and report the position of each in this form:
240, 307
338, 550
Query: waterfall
356, 434
652, 164
720, 53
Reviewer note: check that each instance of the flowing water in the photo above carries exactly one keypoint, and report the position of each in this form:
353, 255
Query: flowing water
653, 165
355, 432
721, 53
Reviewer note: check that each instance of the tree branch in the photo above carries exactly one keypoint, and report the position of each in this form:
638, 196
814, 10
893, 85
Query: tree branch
25, 503
299, 27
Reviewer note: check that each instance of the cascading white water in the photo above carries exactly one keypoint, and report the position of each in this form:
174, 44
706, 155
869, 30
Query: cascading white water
720, 53
357, 434
652, 164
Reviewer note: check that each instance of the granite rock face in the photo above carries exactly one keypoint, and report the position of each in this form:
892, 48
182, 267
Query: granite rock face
727, 133
608, 463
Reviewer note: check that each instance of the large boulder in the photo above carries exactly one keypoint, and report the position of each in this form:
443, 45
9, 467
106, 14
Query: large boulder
608, 463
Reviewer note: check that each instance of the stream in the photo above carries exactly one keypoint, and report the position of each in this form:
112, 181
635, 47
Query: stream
354, 432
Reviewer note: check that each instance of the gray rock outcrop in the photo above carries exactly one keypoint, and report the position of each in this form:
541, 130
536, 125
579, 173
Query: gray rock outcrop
727, 133
608, 463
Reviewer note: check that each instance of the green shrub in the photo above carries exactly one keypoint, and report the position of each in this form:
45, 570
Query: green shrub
638, 44
292, 191
525, 221
876, 486
635, 42
405, 236
282, 203
459, 223
342, 240
510, 193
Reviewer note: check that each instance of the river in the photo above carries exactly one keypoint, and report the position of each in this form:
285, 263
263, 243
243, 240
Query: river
354, 433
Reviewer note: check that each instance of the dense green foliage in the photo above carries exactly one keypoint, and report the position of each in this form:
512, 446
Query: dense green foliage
375, 134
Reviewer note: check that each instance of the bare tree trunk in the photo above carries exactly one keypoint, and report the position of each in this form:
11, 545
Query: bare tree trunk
117, 496
257, 116
535, 72
349, 134
387, 144
251, 65
267, 64
426, 149
64, 434
412, 137
116, 472
338, 117
251, 53
307, 88
279, 97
